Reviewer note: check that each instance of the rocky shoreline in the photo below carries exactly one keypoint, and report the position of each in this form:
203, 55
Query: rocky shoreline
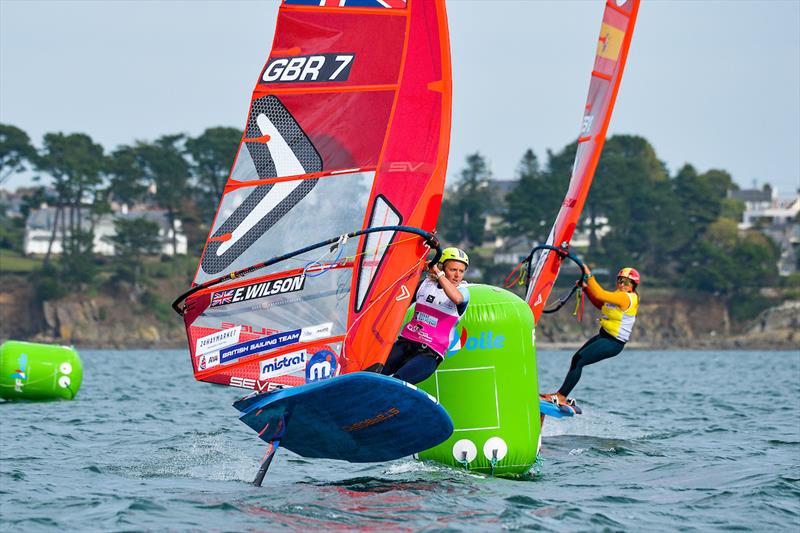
667, 320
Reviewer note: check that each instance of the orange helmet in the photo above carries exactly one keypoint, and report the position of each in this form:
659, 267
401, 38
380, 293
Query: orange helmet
630, 273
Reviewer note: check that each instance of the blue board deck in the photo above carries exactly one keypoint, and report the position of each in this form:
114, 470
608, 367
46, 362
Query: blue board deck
550, 409
361, 417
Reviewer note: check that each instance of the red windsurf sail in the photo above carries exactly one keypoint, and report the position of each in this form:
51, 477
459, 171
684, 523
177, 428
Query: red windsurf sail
616, 32
348, 131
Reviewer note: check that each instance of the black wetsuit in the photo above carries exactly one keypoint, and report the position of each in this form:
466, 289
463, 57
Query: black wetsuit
601, 346
411, 361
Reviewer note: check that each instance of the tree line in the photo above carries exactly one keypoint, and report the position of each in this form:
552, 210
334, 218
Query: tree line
180, 174
678, 230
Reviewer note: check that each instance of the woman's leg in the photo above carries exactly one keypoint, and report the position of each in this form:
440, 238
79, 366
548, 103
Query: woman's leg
596, 349
418, 368
397, 356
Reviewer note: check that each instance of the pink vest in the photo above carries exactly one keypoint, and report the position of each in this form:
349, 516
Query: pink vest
435, 316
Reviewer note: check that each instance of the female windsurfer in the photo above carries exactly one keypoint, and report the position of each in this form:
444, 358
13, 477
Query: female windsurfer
619, 310
441, 300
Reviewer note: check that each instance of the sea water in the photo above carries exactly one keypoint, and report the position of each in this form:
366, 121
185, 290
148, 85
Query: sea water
669, 441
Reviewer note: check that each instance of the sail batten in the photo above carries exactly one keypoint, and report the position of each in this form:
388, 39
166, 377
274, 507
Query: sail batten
350, 89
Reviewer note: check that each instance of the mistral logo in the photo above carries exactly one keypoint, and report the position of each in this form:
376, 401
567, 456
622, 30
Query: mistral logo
487, 340
322, 365
283, 364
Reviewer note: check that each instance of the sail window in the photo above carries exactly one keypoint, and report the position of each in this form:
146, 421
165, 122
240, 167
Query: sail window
375, 246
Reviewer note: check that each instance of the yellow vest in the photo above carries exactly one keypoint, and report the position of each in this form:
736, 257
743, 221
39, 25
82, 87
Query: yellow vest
619, 323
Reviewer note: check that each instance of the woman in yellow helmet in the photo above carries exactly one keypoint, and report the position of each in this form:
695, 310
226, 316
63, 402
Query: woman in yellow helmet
441, 300
619, 310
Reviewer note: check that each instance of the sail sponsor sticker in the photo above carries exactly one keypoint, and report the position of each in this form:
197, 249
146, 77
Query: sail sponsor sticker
263, 344
215, 341
404, 294
308, 68
312, 333
21, 372
321, 365
256, 384
282, 365
389, 4
207, 361
425, 318
259, 290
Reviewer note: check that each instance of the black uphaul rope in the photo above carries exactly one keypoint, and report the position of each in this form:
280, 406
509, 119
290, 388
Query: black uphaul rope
563, 252
430, 240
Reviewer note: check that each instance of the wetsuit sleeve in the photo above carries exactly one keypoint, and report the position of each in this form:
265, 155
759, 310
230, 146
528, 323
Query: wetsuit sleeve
595, 302
596, 292
462, 307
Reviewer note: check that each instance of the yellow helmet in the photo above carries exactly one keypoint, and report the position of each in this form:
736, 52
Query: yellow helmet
454, 254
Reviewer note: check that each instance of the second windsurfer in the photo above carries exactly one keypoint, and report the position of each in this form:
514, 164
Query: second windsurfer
619, 310
441, 300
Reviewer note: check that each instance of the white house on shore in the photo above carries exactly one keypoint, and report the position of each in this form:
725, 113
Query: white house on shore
776, 218
39, 229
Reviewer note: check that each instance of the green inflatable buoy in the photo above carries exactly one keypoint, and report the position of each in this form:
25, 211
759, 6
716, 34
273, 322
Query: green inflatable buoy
488, 385
32, 371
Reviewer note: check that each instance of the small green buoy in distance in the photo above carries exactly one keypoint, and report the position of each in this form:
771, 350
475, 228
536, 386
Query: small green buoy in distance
33, 371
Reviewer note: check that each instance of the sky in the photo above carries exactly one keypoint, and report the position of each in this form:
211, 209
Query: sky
712, 83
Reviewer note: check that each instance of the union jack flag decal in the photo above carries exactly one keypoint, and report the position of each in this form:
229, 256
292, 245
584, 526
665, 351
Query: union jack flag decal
349, 3
221, 298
